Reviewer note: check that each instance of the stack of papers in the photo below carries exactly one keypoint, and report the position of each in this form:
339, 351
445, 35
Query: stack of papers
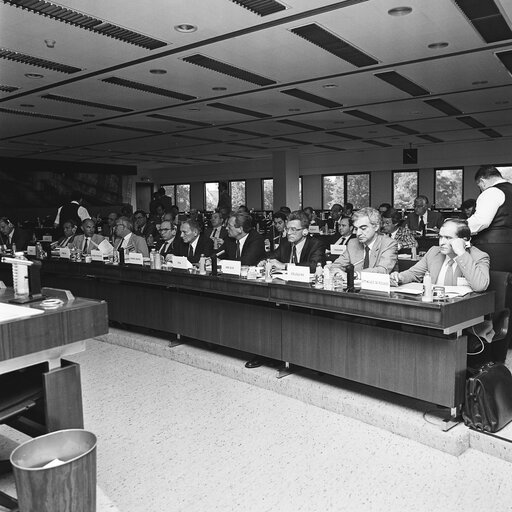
417, 289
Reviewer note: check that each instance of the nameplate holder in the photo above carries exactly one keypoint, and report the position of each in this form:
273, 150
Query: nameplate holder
314, 230
181, 263
338, 250
31, 250
134, 258
231, 267
375, 282
64, 253
96, 255
47, 238
298, 273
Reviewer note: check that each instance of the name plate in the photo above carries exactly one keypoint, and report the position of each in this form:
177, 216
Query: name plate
64, 253
375, 282
181, 262
231, 267
47, 238
298, 273
133, 258
96, 255
338, 250
31, 250
314, 229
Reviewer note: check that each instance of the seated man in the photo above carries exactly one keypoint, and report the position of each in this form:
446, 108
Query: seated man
454, 258
394, 226
13, 237
194, 243
69, 228
144, 228
277, 232
345, 232
109, 228
299, 247
423, 218
370, 251
335, 215
127, 240
169, 243
89, 240
244, 243
218, 233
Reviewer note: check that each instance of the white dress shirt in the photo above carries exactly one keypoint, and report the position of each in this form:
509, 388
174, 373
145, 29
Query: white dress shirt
487, 205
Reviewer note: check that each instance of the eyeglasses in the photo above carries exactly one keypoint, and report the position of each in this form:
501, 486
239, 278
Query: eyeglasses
294, 230
164, 229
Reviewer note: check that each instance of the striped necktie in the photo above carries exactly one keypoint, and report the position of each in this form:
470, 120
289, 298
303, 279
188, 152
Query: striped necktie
448, 277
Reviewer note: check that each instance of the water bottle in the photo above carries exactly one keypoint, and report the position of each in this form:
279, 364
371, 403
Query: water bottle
158, 261
39, 251
328, 276
20, 276
427, 288
152, 257
202, 265
319, 276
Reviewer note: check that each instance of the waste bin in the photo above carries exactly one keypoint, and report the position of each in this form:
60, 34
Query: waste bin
68, 483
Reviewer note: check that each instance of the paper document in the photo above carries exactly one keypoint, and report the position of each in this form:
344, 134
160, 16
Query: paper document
411, 288
11, 312
106, 247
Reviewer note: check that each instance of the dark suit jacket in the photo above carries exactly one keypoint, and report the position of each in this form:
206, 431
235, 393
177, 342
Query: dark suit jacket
62, 239
20, 237
223, 232
253, 250
312, 253
434, 220
332, 239
204, 246
275, 238
176, 247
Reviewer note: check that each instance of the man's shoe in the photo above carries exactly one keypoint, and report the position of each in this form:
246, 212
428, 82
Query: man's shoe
254, 363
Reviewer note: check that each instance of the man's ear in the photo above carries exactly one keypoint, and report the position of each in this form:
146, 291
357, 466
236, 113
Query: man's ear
305, 232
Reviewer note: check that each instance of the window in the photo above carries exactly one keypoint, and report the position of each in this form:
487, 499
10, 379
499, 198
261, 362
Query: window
405, 188
333, 191
267, 186
506, 171
183, 197
237, 192
211, 195
170, 190
448, 188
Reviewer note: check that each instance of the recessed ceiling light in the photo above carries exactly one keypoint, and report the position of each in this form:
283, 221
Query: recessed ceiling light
294, 110
194, 109
185, 28
50, 43
88, 115
219, 88
415, 113
339, 122
180, 126
480, 82
372, 131
26, 105
158, 71
503, 102
400, 11
437, 46
329, 86
35, 76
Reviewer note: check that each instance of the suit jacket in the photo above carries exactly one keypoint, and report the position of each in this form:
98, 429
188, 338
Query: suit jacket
61, 240
313, 252
332, 239
434, 220
20, 237
473, 265
223, 232
383, 255
253, 250
78, 242
135, 244
204, 246
148, 230
174, 248
275, 238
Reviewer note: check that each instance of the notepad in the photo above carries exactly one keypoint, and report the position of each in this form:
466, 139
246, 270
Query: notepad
11, 312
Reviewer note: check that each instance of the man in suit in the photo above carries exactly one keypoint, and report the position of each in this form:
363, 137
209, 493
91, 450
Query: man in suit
370, 251
218, 233
170, 243
109, 228
277, 232
345, 232
423, 218
244, 244
453, 258
10, 235
72, 210
144, 228
299, 247
89, 240
128, 240
393, 226
69, 235
194, 244
335, 216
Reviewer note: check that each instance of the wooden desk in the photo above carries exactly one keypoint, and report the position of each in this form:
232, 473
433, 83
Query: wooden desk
45, 339
394, 343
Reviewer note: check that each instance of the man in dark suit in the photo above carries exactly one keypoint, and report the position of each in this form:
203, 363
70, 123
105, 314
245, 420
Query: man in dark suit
144, 228
335, 215
424, 219
244, 244
218, 233
277, 232
194, 244
170, 243
299, 248
10, 235
69, 235
344, 234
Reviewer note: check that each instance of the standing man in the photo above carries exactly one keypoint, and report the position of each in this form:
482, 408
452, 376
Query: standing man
10, 235
89, 240
370, 251
244, 244
72, 211
492, 221
423, 218
195, 244
127, 240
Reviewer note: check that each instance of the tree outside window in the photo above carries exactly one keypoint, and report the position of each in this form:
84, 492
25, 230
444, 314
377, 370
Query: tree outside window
170, 190
211, 195
268, 194
506, 171
183, 197
405, 188
448, 188
333, 188
237, 193
358, 190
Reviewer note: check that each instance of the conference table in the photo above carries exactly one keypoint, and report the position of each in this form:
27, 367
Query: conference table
389, 341
37, 344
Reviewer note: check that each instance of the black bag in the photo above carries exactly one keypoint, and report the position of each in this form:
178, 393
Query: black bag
488, 403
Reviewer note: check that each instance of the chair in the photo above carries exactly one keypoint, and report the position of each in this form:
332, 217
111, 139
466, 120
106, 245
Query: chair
501, 283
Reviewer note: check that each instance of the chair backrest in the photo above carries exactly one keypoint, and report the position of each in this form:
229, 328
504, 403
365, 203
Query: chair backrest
501, 283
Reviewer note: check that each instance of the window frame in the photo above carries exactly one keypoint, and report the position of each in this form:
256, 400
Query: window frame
345, 188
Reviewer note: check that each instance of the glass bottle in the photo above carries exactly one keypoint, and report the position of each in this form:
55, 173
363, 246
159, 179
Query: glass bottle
20, 276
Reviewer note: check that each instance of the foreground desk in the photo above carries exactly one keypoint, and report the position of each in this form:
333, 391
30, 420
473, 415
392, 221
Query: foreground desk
41, 341
398, 343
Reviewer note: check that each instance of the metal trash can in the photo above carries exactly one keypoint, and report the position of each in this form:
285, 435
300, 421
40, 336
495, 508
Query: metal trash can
67, 483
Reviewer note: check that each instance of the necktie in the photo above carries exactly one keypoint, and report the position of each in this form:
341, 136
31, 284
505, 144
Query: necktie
366, 262
190, 251
294, 255
237, 255
421, 225
164, 248
448, 277
86, 243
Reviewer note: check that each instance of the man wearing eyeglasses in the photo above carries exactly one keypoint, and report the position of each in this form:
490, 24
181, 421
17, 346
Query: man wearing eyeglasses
127, 240
10, 235
299, 247
170, 244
